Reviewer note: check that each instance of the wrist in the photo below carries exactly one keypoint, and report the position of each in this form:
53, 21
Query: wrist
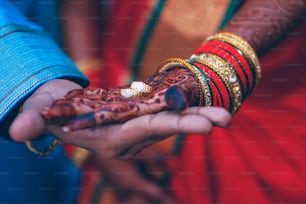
227, 70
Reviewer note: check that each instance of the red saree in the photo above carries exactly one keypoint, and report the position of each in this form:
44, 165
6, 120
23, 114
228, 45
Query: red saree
261, 157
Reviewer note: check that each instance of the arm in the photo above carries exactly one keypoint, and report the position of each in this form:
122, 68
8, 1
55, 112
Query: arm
263, 23
190, 77
28, 59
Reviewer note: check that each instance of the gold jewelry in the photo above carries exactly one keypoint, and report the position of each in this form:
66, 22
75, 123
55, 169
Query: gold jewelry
128, 92
141, 87
242, 46
227, 74
137, 88
46, 151
203, 86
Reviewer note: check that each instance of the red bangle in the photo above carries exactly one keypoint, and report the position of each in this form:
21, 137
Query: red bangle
216, 94
239, 57
212, 75
237, 68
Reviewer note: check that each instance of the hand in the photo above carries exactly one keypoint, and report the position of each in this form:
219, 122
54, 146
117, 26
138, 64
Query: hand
30, 124
117, 140
167, 90
131, 183
127, 139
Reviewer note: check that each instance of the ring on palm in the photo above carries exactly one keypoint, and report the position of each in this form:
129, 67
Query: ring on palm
137, 88
141, 87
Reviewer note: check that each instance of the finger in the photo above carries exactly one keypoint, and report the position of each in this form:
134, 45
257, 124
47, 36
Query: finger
175, 98
110, 113
93, 93
219, 116
110, 141
154, 193
193, 120
29, 123
136, 151
152, 154
129, 181
134, 198
157, 127
62, 111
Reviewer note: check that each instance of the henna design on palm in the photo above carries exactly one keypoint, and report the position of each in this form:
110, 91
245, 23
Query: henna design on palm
173, 89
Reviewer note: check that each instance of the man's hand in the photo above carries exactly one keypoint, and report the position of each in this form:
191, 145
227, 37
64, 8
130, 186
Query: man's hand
29, 124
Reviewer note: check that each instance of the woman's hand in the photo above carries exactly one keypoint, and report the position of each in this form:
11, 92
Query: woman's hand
83, 108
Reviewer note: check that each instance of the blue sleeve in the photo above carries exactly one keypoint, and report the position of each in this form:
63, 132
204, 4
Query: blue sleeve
28, 59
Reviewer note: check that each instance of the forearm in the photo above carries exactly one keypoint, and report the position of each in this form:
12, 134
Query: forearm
262, 23
28, 59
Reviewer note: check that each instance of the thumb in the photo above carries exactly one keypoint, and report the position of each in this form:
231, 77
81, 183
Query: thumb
29, 123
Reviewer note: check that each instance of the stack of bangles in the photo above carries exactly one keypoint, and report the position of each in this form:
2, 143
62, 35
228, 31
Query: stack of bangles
227, 69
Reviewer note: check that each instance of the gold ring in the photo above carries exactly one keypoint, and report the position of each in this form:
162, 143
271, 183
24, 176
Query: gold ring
141, 87
127, 92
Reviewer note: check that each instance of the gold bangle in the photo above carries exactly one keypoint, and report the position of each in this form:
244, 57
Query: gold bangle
44, 152
204, 90
228, 70
226, 73
242, 46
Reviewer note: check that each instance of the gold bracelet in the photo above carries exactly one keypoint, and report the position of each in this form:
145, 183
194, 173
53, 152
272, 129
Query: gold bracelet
226, 73
202, 81
44, 152
47, 150
242, 46
226, 69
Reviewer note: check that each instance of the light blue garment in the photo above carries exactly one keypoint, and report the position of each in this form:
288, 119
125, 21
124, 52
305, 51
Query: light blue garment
29, 58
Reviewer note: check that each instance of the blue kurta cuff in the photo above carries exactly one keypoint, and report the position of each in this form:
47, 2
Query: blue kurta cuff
28, 59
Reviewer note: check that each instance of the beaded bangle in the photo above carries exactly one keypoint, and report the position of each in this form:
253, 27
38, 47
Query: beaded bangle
220, 85
204, 89
233, 65
243, 46
225, 71
241, 65
247, 68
